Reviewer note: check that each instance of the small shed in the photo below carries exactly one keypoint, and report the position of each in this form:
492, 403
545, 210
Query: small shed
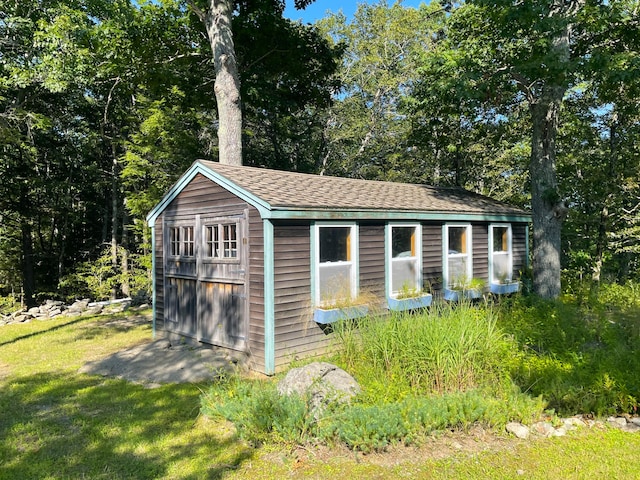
260, 261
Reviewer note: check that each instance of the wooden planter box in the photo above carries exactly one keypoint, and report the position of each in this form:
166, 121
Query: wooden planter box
330, 315
455, 295
412, 303
504, 288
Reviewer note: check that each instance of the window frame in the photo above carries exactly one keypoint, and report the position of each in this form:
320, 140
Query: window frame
219, 241
353, 245
182, 245
416, 254
509, 252
447, 256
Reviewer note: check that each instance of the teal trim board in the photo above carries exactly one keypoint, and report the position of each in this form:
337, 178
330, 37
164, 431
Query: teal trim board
154, 299
312, 256
526, 246
337, 215
269, 300
195, 169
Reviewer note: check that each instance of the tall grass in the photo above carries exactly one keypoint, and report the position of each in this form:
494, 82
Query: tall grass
583, 357
447, 349
444, 368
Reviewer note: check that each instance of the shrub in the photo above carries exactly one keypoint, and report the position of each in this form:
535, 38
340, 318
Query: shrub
9, 304
96, 279
374, 428
258, 412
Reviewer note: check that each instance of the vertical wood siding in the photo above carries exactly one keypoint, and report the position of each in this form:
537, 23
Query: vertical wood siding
432, 255
296, 334
371, 261
480, 239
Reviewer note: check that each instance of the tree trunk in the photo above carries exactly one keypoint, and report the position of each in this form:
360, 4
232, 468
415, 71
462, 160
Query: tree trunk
28, 277
114, 224
227, 85
125, 287
610, 180
547, 208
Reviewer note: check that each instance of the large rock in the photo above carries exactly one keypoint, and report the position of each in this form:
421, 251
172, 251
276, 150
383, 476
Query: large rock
519, 430
321, 383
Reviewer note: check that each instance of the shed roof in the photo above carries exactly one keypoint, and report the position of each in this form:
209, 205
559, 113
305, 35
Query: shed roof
279, 194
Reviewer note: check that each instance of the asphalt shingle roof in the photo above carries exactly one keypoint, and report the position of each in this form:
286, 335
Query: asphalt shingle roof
300, 191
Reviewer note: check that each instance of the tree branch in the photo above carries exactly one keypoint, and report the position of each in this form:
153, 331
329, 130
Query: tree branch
197, 10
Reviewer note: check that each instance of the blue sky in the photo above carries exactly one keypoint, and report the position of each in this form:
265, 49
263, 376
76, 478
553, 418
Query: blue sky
319, 8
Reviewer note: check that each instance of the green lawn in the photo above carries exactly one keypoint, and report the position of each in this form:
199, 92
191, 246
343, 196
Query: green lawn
57, 423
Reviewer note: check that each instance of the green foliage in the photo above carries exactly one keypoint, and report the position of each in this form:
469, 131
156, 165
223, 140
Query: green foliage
580, 358
8, 304
98, 278
368, 428
259, 413
444, 350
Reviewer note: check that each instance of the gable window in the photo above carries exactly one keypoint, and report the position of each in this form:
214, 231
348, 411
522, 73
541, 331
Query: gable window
221, 240
181, 241
404, 258
335, 259
500, 253
458, 267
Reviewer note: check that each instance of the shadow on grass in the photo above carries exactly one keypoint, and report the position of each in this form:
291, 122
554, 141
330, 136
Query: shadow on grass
43, 332
76, 426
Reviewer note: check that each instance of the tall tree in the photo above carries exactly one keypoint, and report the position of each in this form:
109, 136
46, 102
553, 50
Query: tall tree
368, 127
217, 17
534, 53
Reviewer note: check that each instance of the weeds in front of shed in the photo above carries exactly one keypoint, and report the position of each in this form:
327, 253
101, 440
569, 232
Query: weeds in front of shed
456, 366
436, 370
258, 412
447, 349
582, 357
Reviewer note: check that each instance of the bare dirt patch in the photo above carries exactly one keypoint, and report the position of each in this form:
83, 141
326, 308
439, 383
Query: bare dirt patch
158, 361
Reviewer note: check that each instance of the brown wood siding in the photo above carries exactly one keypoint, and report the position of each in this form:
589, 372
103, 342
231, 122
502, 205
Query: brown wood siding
208, 200
371, 261
432, 255
480, 247
255, 291
159, 276
519, 245
202, 194
296, 334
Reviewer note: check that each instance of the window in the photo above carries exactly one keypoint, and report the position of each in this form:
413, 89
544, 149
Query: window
188, 244
500, 254
404, 249
458, 268
335, 254
221, 240
174, 234
181, 241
